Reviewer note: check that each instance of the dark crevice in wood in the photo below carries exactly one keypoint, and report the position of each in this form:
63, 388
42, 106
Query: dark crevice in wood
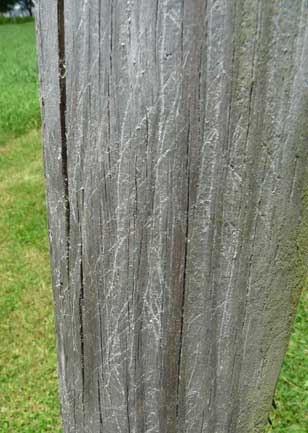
101, 339
182, 30
99, 405
202, 423
111, 37
99, 42
81, 304
81, 301
184, 274
108, 84
140, 384
127, 407
253, 68
156, 30
64, 156
100, 370
136, 196
127, 334
249, 110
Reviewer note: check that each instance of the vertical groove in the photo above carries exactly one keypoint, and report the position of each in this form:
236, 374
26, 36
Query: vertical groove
100, 369
63, 126
81, 299
81, 302
99, 406
184, 273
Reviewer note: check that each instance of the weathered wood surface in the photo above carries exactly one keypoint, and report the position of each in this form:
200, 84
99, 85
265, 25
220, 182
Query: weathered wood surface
175, 144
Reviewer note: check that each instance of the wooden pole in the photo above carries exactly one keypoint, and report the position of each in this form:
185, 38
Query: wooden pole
175, 146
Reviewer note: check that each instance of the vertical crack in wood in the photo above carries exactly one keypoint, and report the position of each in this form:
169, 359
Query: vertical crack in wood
184, 276
182, 30
81, 299
127, 407
108, 83
63, 126
99, 405
81, 302
99, 45
155, 29
111, 36
100, 368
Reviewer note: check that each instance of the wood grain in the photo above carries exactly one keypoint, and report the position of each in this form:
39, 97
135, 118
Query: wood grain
175, 145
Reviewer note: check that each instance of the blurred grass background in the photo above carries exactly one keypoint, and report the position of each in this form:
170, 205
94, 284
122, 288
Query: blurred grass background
28, 380
19, 109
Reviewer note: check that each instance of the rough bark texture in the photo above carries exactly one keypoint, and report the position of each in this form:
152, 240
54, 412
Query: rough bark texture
175, 141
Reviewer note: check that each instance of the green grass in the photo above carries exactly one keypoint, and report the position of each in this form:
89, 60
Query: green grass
291, 397
15, 20
19, 108
28, 384
28, 380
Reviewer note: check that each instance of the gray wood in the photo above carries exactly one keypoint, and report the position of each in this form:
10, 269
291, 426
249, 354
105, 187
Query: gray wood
175, 146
